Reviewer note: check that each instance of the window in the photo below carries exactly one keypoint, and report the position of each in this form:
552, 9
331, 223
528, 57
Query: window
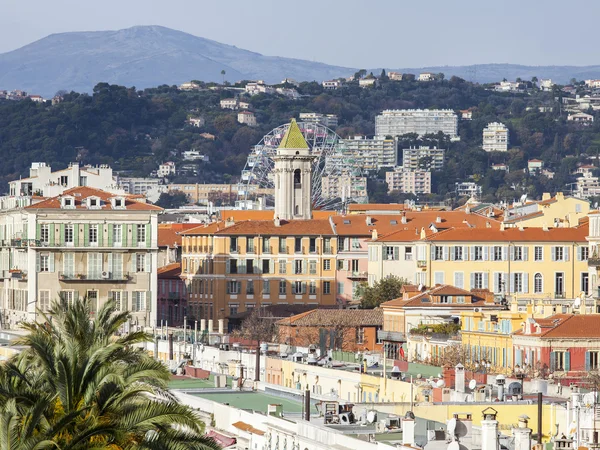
44, 300
326, 264
93, 202
117, 235
391, 253
326, 245
408, 253
518, 282
266, 266
458, 253
68, 296
497, 254
92, 298
95, 265
44, 263
518, 253
312, 267
584, 253
250, 287
139, 301
477, 280
559, 284
298, 287
355, 243
538, 283
592, 359
266, 244
298, 245
560, 361
282, 245
233, 287
68, 202
250, 306
585, 282
327, 287
233, 245
312, 245
354, 265
93, 235
266, 288
445, 299
298, 266
117, 297
45, 234
69, 265
282, 287
140, 262
538, 253
478, 253
559, 254
340, 288
249, 266
118, 203
233, 266
68, 237
438, 254
360, 335
250, 244
312, 288
233, 308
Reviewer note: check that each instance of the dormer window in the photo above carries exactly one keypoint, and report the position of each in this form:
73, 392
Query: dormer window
67, 202
93, 203
118, 202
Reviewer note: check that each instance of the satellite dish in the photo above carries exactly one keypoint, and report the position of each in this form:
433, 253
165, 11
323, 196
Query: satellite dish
371, 416
419, 376
472, 384
454, 446
451, 427
440, 383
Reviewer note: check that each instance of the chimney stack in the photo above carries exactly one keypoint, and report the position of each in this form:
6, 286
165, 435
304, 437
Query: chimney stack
522, 434
408, 429
459, 378
489, 430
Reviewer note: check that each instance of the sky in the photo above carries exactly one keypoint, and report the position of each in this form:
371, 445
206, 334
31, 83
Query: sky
350, 33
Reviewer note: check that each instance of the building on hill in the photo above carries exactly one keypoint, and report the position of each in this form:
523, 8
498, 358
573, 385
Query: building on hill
247, 118
345, 186
83, 243
495, 137
42, 181
395, 76
535, 166
557, 211
467, 189
423, 157
407, 181
169, 242
420, 121
426, 76
327, 120
580, 118
349, 330
166, 169
372, 154
172, 296
231, 267
587, 186
331, 84
138, 186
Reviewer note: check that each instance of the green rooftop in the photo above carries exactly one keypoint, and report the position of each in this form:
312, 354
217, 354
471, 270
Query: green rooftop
293, 138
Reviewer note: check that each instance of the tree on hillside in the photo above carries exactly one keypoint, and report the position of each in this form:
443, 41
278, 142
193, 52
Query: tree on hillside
382, 291
76, 385
172, 200
258, 327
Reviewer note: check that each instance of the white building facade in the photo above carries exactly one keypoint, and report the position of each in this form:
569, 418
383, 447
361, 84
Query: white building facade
495, 137
412, 157
420, 121
409, 181
373, 153
347, 187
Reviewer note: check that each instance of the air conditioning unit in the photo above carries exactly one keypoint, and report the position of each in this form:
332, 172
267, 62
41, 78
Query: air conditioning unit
476, 310
105, 275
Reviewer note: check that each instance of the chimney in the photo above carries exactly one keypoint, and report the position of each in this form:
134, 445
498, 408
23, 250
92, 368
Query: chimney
502, 227
522, 434
546, 196
374, 234
488, 225
277, 222
369, 221
221, 326
403, 219
438, 219
408, 429
459, 378
229, 222
489, 430
202, 325
560, 196
210, 325
520, 226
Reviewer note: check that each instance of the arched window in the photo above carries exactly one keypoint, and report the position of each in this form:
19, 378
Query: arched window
297, 178
538, 283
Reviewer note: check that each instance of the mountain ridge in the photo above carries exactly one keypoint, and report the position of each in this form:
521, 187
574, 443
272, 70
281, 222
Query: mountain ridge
148, 56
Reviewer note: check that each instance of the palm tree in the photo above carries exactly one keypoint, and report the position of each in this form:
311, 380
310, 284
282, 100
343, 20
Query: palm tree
79, 386
223, 75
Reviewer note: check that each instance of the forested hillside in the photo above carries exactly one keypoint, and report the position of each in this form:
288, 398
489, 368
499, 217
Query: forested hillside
136, 130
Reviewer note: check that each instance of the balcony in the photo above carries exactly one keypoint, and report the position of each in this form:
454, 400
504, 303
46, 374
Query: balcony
421, 264
594, 262
391, 336
560, 295
356, 275
102, 276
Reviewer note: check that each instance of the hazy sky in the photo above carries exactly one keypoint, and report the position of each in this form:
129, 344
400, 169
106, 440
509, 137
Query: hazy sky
352, 33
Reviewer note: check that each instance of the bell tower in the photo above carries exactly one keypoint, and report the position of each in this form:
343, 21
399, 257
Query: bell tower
293, 176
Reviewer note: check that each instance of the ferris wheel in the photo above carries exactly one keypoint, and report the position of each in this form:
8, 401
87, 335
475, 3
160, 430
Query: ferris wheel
332, 159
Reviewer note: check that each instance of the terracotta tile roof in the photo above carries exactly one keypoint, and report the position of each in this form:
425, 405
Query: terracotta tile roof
568, 326
169, 271
524, 217
336, 317
169, 234
82, 193
204, 229
238, 215
404, 236
358, 207
247, 428
574, 234
424, 299
267, 228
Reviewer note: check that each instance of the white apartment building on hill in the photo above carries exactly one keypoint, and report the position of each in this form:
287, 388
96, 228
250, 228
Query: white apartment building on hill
347, 187
327, 120
372, 153
397, 122
412, 157
43, 182
409, 181
83, 243
495, 137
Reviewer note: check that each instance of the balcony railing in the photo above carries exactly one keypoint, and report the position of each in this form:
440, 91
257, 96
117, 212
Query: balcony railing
594, 262
356, 275
560, 295
391, 336
101, 276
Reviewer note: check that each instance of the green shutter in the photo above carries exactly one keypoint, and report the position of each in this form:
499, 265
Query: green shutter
134, 235
52, 231
61, 237
86, 235
100, 235
124, 305
148, 301
110, 234
38, 235
148, 235
124, 231
76, 234
37, 262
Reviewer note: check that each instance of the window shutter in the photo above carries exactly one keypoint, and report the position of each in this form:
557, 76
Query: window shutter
135, 301
542, 253
525, 283
587, 361
148, 265
512, 251
445, 252
52, 233
148, 235
86, 235
472, 280
452, 250
504, 253
439, 278
465, 255
304, 287
37, 262
459, 280
496, 282
512, 285
51, 262
148, 301
518, 357
134, 262
552, 361
124, 304
38, 234
472, 253
124, 231
485, 253
396, 254
566, 253
110, 234
75, 296
271, 266
433, 252
239, 287
553, 250
567, 361
100, 235
109, 263
486, 281
525, 253
61, 237
134, 235
227, 266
